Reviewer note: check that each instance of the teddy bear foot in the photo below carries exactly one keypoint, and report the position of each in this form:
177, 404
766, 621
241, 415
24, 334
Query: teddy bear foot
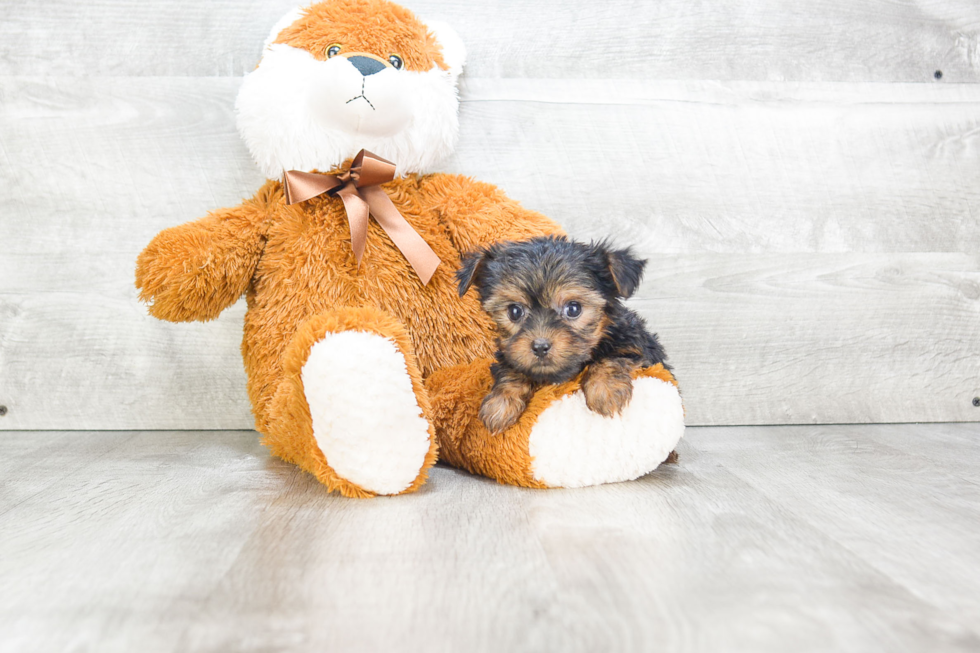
573, 446
366, 419
354, 410
558, 441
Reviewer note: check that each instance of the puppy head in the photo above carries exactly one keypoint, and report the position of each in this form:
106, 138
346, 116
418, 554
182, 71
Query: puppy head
549, 299
342, 75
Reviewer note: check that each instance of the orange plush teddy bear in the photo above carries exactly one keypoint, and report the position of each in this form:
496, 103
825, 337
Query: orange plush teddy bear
363, 362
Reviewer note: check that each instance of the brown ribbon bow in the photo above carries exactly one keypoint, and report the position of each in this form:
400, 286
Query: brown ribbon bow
360, 190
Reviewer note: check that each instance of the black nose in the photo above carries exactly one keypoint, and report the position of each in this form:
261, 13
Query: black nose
540, 347
366, 65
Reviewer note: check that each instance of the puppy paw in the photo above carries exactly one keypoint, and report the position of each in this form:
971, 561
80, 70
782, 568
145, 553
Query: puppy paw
607, 387
500, 411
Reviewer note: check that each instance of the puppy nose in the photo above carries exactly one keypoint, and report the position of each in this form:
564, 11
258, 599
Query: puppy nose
540, 347
366, 65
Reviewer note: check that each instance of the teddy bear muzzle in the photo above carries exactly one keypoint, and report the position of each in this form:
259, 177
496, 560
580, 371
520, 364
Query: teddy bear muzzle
360, 94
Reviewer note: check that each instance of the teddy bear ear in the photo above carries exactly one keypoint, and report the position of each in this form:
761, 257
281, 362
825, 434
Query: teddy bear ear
291, 17
453, 50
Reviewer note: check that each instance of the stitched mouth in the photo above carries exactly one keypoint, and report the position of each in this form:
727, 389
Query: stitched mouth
362, 97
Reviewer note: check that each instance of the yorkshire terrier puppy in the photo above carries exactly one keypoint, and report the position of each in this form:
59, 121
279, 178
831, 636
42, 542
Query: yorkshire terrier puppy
558, 309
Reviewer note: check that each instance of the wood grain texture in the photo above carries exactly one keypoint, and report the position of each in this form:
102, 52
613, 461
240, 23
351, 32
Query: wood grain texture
673, 167
781, 223
791, 339
736, 167
774, 339
773, 40
761, 539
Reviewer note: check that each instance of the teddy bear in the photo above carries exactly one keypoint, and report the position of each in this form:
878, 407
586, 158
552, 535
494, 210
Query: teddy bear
364, 364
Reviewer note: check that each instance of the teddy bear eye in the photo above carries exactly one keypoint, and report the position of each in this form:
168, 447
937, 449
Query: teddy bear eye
395, 61
333, 50
572, 310
515, 312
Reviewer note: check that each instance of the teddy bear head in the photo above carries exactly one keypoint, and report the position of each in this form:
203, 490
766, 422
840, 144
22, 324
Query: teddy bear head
341, 75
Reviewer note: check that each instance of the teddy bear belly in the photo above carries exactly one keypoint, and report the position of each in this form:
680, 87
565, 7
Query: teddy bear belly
310, 273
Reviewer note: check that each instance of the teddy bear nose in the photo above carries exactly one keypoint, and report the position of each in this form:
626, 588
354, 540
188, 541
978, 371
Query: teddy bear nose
540, 347
366, 65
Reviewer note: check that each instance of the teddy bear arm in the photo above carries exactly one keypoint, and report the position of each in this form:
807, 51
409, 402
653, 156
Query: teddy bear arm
196, 270
478, 214
508, 220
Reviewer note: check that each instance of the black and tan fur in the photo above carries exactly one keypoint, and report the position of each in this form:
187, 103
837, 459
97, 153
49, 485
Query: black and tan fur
557, 305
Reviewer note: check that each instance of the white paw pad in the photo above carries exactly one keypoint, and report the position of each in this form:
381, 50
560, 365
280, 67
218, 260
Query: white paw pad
575, 447
366, 418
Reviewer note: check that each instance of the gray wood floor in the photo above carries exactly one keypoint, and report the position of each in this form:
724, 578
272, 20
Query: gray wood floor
761, 539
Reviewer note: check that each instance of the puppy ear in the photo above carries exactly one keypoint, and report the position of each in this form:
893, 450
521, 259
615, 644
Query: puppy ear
626, 269
469, 269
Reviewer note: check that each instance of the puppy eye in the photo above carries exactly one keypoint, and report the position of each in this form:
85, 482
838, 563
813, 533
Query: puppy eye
572, 310
395, 61
515, 312
333, 50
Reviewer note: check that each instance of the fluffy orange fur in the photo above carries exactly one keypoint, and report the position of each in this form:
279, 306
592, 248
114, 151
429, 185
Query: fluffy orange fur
373, 26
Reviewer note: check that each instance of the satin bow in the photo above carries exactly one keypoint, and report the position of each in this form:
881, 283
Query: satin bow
362, 194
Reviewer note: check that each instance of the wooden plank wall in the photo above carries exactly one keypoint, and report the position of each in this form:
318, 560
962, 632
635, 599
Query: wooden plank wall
804, 182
